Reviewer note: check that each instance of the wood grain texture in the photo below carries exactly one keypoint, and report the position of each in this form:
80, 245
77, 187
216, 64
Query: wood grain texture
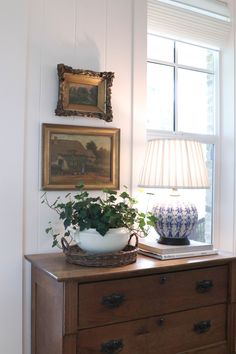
232, 308
160, 310
70, 307
219, 348
232, 282
231, 329
154, 337
55, 265
47, 314
69, 344
152, 295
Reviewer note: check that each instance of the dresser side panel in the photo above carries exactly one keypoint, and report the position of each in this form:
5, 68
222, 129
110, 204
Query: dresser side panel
70, 307
47, 314
232, 282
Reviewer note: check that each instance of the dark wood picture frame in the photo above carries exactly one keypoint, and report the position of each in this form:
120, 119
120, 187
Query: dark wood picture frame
74, 155
84, 93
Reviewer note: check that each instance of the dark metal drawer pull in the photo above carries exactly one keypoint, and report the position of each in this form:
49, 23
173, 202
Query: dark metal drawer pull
161, 321
112, 347
112, 301
204, 286
163, 280
202, 327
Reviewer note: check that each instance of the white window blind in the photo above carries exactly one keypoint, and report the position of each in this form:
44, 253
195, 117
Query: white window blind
202, 21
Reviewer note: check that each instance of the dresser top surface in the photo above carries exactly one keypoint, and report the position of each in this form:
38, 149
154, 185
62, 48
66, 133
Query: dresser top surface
55, 265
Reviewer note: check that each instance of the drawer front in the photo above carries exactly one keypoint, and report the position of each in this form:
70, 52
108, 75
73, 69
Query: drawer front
120, 300
168, 334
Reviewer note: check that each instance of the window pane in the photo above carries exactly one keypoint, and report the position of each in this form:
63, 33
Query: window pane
160, 48
194, 56
203, 201
195, 102
160, 97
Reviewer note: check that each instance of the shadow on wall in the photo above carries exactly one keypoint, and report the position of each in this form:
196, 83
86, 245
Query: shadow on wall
88, 55
85, 55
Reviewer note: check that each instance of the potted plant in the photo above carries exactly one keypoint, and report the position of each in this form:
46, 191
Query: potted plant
99, 224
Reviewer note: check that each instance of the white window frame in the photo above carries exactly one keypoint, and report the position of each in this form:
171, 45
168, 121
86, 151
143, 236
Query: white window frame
224, 217
203, 138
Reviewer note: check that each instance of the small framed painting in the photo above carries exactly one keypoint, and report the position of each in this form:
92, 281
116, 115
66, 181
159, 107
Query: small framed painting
84, 93
74, 155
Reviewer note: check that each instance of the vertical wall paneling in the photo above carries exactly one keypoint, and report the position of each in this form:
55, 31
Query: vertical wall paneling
32, 153
91, 34
119, 60
58, 46
13, 34
139, 88
32, 126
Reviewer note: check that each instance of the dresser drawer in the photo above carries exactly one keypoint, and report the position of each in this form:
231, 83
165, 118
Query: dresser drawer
167, 334
120, 300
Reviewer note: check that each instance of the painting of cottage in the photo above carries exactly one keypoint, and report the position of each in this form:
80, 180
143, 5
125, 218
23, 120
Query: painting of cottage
81, 158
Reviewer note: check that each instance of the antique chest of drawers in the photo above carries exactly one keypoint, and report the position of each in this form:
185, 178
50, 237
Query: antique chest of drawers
149, 307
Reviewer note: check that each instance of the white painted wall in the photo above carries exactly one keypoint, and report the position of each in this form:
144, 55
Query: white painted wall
13, 32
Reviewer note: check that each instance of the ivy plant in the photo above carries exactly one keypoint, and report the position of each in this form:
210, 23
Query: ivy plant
111, 210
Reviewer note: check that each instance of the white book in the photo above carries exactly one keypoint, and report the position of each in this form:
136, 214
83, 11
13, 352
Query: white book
178, 255
150, 243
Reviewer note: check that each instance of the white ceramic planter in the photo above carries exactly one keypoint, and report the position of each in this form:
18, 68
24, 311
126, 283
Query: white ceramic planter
91, 241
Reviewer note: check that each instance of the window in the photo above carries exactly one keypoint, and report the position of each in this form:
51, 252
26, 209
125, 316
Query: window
182, 88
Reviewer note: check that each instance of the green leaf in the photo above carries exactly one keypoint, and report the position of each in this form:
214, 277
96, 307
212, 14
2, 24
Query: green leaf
62, 215
80, 185
66, 223
111, 199
102, 228
124, 195
55, 243
109, 191
55, 235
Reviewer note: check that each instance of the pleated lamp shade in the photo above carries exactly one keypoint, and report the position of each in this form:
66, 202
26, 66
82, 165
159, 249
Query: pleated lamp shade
174, 163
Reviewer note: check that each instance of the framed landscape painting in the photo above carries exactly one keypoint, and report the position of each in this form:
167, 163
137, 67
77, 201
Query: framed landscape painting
84, 93
74, 155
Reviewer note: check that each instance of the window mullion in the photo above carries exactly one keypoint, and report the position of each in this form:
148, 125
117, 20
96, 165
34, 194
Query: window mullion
175, 78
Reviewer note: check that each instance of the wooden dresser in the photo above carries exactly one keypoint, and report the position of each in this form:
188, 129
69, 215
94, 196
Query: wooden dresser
149, 307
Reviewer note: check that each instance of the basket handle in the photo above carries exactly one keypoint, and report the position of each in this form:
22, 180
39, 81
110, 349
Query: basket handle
134, 234
65, 244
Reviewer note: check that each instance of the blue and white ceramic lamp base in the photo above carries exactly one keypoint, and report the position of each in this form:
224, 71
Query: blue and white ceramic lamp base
176, 221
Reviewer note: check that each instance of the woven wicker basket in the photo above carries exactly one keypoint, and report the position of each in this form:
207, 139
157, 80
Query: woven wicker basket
75, 255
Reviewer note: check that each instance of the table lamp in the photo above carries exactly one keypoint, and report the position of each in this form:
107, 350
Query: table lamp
174, 163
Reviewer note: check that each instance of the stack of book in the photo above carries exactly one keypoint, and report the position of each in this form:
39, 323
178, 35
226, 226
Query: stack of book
149, 246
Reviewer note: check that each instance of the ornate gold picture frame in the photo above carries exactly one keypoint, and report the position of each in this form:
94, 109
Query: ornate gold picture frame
74, 154
84, 93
